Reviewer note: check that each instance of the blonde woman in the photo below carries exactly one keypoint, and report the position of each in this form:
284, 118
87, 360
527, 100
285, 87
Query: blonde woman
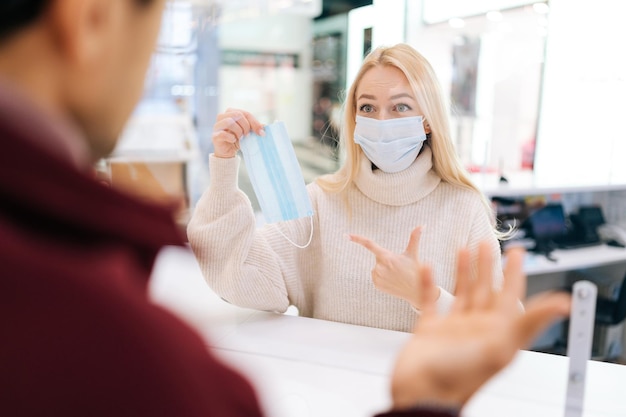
400, 199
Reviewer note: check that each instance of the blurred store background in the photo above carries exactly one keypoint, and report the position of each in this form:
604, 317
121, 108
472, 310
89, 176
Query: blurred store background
524, 80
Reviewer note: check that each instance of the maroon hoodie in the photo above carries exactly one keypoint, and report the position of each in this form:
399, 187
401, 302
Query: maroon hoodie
78, 334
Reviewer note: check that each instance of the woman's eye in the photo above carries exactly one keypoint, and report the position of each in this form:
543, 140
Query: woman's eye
402, 108
366, 108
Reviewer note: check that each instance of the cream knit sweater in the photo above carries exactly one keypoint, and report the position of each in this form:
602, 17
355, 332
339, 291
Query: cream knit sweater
331, 278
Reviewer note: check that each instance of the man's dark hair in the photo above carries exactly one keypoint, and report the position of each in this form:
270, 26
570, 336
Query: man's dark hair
17, 14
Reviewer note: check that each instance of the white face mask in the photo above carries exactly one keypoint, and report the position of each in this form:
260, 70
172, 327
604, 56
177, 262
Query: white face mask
392, 145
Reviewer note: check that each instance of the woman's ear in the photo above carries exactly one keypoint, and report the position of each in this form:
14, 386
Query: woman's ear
426, 127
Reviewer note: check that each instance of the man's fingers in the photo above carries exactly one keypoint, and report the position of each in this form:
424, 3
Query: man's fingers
514, 276
541, 311
412, 248
428, 300
462, 290
482, 291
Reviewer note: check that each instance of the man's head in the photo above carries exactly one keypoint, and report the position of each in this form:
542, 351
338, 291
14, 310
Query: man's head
82, 59
16, 14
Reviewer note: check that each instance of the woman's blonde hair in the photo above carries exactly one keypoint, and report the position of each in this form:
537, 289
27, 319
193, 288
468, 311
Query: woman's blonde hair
429, 97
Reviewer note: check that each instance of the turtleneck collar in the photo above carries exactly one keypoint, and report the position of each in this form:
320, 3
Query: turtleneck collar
399, 188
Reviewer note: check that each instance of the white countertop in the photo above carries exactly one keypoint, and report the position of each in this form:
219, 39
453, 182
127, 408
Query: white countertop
307, 367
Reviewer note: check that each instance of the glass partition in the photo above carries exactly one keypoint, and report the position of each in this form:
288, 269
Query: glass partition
283, 63
490, 64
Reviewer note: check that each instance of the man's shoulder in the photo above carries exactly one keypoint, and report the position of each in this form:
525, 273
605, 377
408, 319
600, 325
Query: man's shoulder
81, 321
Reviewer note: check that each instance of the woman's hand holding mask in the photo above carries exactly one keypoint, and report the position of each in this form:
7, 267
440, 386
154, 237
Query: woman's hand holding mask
229, 128
398, 274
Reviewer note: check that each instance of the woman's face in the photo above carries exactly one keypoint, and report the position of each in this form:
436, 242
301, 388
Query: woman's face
384, 93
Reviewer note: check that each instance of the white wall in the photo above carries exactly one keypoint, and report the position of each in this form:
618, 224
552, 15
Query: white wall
386, 18
581, 135
508, 83
440, 11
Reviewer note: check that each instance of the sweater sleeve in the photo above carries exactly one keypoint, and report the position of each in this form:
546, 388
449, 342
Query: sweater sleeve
482, 230
241, 263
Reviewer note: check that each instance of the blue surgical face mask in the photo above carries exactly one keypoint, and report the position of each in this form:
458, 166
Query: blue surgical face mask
275, 175
393, 144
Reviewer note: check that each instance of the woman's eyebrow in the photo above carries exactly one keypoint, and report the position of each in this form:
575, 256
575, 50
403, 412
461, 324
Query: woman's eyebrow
401, 95
394, 97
